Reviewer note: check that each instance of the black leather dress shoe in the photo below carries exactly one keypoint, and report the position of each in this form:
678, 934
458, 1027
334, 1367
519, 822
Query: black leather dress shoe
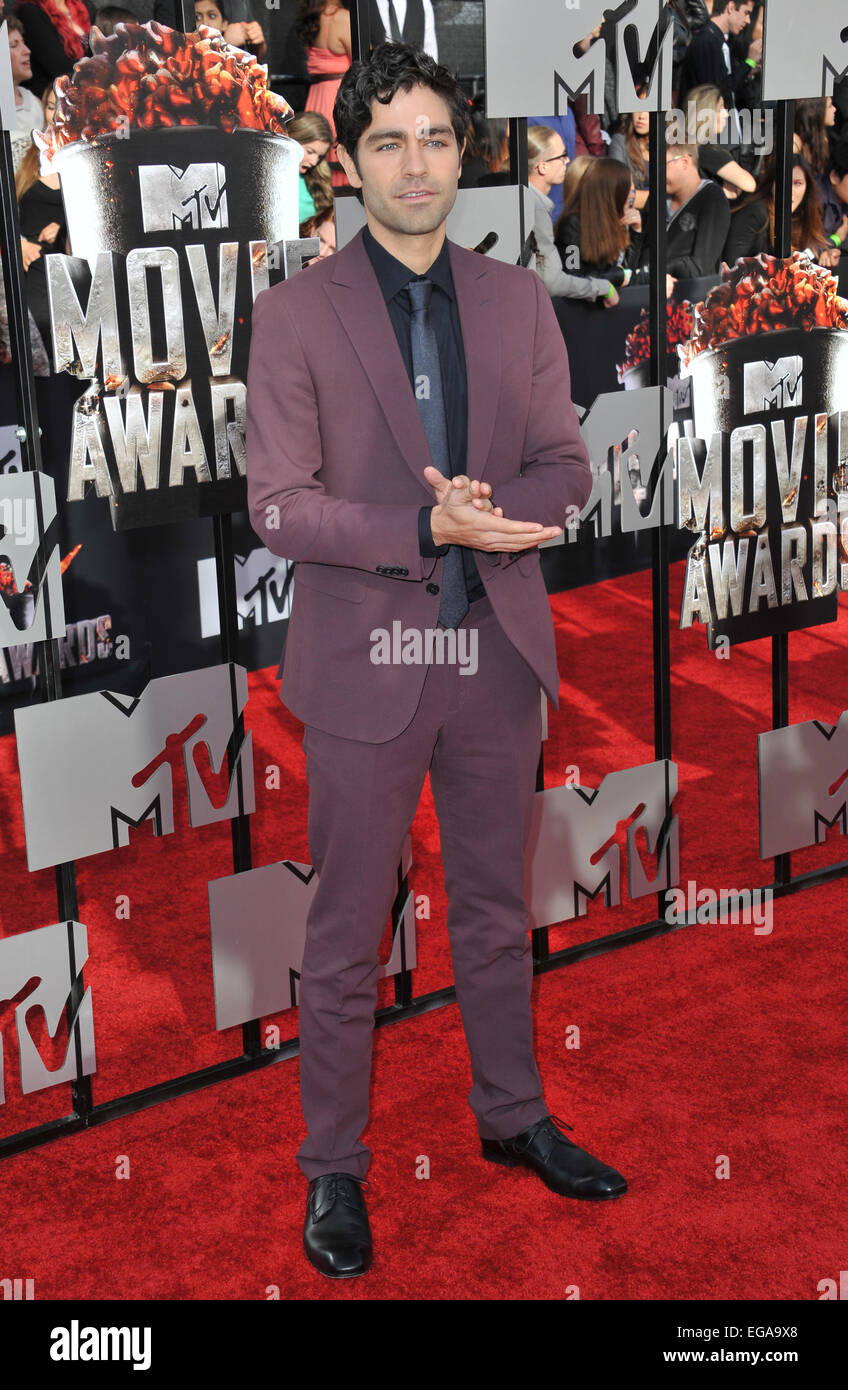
336, 1233
560, 1164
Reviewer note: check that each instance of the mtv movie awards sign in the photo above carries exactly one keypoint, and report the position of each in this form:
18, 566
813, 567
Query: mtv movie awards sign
181, 196
764, 481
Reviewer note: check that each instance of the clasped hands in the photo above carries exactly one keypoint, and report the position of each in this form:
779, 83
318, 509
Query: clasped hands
464, 514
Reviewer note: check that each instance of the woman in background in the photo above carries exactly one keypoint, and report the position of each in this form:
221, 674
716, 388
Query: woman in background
593, 238
706, 118
41, 215
630, 146
816, 140
313, 132
246, 34
815, 120
571, 183
752, 221
56, 33
324, 27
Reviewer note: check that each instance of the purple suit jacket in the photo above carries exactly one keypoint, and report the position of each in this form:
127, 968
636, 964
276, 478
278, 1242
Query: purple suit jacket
336, 453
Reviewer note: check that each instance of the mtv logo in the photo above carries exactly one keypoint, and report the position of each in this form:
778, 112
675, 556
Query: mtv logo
36, 971
94, 765
804, 49
260, 585
194, 197
572, 855
525, 77
35, 613
773, 385
803, 776
258, 924
623, 433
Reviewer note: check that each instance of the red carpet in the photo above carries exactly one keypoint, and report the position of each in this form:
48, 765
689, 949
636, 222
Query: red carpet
710, 1041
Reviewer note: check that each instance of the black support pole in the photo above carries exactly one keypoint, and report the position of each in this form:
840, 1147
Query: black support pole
784, 129
658, 324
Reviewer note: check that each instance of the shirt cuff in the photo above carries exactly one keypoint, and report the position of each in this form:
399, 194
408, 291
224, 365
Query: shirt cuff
426, 544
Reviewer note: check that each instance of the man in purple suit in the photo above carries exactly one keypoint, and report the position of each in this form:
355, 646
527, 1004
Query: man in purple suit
410, 443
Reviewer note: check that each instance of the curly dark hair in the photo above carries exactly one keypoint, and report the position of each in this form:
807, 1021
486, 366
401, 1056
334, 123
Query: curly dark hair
393, 67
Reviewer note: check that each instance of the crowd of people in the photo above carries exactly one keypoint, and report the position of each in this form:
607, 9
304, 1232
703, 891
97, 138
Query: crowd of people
589, 174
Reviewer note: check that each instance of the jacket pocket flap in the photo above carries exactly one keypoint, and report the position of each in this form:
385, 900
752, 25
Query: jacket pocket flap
329, 579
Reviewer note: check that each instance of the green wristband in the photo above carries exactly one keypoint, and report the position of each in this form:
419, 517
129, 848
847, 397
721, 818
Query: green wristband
752, 62
610, 292
836, 238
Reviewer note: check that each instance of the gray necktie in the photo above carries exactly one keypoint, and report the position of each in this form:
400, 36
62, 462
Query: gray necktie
393, 24
427, 375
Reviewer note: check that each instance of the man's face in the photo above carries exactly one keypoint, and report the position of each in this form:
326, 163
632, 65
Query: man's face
739, 16
840, 186
21, 68
555, 163
677, 170
409, 162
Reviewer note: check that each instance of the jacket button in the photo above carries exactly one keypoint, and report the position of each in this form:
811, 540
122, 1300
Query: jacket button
432, 588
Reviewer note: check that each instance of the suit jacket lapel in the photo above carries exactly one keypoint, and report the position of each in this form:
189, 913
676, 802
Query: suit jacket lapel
355, 295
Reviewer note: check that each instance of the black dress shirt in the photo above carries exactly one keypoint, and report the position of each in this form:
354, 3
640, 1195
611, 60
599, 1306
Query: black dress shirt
393, 277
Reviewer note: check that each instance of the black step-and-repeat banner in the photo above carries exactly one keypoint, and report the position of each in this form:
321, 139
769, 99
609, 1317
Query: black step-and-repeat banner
181, 196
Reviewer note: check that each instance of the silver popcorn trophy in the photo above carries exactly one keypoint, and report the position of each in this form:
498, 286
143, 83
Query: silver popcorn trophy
770, 424
174, 230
